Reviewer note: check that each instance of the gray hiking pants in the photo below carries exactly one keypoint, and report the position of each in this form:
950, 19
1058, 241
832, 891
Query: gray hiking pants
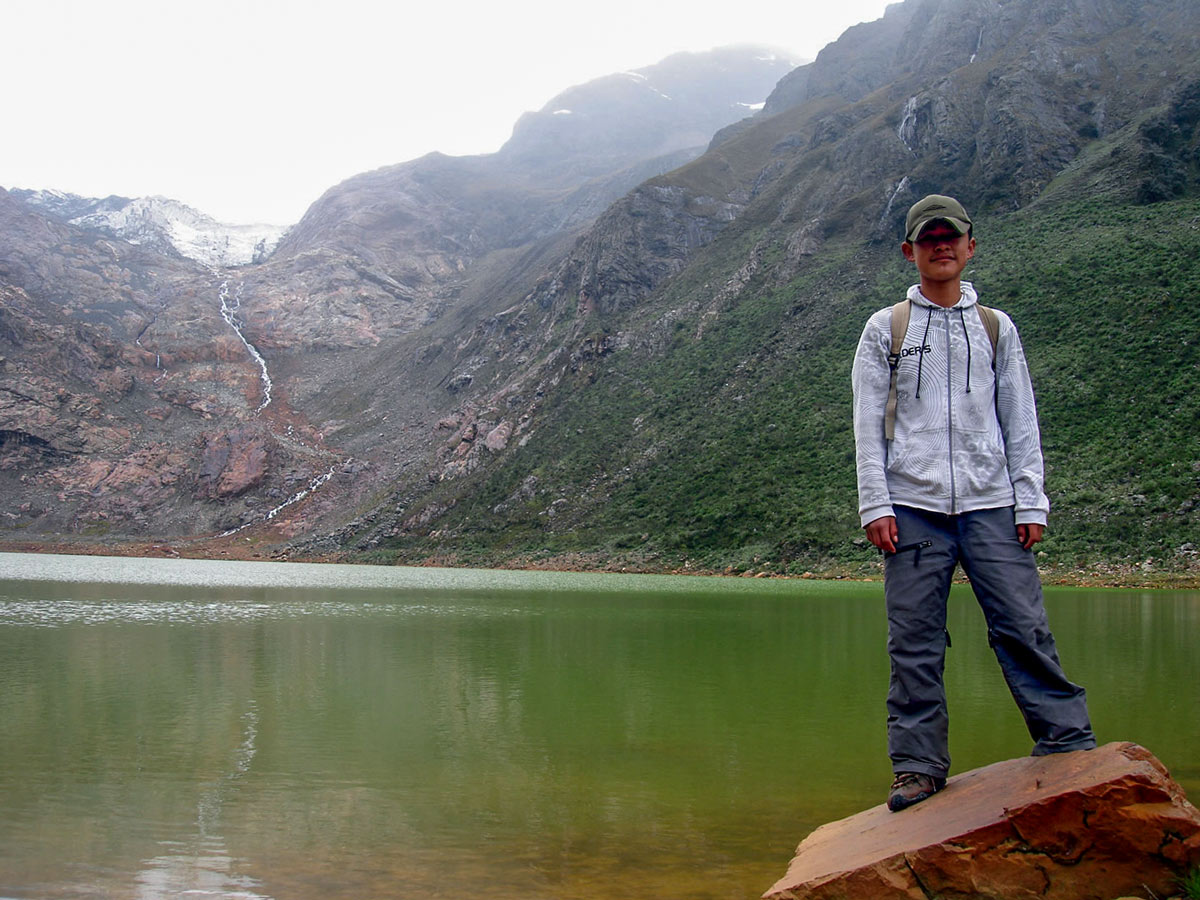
1006, 583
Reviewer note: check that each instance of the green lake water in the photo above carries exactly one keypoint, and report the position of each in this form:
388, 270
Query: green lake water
180, 728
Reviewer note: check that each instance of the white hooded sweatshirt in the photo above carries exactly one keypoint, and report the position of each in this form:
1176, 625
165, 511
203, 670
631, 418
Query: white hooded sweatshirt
966, 436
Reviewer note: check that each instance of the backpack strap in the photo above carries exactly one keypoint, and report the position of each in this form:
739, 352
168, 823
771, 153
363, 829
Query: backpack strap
991, 324
901, 313
900, 316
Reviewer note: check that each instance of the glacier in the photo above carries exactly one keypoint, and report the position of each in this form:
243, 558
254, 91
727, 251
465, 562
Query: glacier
162, 224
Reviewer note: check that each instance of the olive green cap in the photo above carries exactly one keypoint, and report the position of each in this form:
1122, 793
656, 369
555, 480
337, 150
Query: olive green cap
935, 208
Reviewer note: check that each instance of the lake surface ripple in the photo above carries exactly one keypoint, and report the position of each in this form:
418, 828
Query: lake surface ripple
286, 730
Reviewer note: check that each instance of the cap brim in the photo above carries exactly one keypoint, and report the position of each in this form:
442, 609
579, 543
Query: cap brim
957, 224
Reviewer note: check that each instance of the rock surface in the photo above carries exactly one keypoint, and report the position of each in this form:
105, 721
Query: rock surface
1090, 825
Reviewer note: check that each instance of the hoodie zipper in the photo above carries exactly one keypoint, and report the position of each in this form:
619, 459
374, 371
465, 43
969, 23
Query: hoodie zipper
950, 414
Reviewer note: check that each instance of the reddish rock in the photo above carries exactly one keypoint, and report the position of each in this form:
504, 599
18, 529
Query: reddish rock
233, 462
1090, 825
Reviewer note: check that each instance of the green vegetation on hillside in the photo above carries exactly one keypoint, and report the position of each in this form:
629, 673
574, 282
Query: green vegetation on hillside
1105, 299
729, 445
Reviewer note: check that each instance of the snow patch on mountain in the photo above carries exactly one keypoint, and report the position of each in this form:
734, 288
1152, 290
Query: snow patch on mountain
161, 224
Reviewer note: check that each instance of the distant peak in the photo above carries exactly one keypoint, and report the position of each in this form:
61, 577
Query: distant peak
161, 224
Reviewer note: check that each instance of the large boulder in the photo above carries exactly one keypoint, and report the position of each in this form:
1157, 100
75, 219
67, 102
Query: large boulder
234, 461
1090, 825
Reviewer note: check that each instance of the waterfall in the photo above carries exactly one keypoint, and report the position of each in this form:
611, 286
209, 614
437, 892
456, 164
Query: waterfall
230, 305
229, 314
300, 495
295, 498
892, 199
141, 334
907, 130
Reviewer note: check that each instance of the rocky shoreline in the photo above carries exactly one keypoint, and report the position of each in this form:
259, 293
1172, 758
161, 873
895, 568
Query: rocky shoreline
1116, 575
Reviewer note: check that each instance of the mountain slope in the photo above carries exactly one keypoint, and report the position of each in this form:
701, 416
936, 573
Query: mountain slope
611, 122
475, 362
178, 400
691, 353
413, 233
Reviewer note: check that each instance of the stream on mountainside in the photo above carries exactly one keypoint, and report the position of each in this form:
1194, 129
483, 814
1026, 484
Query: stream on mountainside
162, 304
230, 306
229, 314
315, 483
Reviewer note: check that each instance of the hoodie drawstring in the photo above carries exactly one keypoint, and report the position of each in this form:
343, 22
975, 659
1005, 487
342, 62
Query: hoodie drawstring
921, 355
967, 337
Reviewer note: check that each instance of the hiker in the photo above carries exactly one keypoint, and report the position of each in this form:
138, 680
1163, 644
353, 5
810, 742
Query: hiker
950, 473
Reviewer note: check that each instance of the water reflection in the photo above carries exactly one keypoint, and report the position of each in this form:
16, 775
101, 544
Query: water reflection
200, 868
563, 739
201, 865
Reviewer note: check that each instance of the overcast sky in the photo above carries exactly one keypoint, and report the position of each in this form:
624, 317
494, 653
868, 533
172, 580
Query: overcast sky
249, 109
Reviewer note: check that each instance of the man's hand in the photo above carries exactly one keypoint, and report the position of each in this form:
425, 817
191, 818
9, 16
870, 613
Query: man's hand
1029, 534
883, 533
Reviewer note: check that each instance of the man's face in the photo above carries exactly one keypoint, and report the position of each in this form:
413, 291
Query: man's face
940, 252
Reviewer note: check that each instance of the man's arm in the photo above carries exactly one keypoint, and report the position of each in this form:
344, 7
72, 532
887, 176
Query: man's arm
871, 378
1017, 413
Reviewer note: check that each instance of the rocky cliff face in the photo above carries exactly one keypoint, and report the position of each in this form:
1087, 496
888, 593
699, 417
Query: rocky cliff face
119, 376
997, 98
136, 372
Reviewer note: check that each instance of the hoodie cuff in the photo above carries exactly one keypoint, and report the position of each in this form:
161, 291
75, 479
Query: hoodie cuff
867, 516
1030, 517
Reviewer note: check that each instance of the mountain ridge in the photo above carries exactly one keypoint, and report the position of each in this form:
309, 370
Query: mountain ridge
161, 224
185, 334
667, 386
783, 220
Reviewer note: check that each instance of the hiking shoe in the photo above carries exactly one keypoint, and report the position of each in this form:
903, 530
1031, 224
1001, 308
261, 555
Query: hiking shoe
912, 787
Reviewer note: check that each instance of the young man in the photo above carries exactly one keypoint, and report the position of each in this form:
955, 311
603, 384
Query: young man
954, 477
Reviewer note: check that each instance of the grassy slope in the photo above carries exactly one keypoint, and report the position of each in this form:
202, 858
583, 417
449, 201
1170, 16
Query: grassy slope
721, 436
1104, 297
734, 448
